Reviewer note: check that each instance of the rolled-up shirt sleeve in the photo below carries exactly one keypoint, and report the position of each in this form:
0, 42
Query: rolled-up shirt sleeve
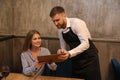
80, 29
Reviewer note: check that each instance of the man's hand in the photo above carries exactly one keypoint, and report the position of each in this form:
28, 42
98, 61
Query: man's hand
63, 55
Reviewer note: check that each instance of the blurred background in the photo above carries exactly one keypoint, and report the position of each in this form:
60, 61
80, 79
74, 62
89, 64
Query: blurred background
17, 17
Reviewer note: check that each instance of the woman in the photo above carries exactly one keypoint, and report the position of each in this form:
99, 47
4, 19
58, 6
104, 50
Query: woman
31, 50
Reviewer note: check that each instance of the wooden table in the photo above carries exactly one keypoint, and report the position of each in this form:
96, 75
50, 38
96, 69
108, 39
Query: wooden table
16, 76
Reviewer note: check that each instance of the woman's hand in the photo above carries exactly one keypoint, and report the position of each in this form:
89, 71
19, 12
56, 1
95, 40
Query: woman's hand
39, 65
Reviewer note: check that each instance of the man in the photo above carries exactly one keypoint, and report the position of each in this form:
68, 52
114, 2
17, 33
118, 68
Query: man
83, 53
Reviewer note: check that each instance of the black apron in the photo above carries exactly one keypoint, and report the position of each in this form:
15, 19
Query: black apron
84, 65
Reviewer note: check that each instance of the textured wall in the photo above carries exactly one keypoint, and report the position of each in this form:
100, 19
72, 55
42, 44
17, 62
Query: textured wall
6, 51
107, 51
33, 14
6, 17
10, 51
102, 16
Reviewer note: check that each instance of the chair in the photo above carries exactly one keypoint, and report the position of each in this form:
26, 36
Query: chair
116, 67
64, 69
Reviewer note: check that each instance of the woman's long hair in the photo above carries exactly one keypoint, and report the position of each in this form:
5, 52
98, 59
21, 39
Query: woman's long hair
28, 40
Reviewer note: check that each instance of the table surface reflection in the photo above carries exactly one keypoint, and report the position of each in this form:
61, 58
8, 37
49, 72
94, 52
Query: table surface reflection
17, 76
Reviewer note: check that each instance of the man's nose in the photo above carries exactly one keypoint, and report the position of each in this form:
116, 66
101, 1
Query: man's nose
56, 23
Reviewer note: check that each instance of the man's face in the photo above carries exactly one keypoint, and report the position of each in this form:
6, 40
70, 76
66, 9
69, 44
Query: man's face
59, 20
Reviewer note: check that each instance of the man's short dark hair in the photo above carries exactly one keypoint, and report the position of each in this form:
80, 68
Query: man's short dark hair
56, 10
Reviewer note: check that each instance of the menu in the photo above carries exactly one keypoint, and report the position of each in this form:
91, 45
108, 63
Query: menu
49, 58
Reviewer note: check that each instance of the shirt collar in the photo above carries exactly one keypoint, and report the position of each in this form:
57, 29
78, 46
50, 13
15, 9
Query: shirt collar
68, 22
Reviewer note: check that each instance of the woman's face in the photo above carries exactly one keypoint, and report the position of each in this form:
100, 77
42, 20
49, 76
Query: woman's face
36, 40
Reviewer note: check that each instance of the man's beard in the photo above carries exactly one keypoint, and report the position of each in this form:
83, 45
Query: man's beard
63, 26
58, 26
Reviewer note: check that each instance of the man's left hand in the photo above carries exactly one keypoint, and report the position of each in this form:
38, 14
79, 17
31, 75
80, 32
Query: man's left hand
63, 55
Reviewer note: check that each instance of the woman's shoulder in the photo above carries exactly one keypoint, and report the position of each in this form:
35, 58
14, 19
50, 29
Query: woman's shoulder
43, 48
25, 52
